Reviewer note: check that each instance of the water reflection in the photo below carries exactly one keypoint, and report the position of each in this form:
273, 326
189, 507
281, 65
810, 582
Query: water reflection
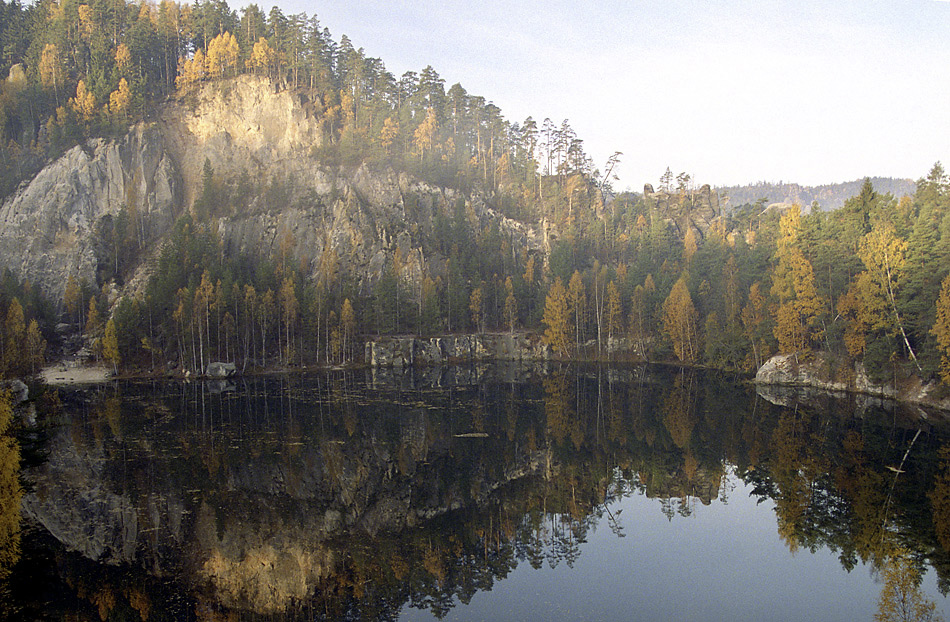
346, 497
10, 495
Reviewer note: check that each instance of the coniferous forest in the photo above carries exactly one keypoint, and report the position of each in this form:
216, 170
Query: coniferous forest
663, 275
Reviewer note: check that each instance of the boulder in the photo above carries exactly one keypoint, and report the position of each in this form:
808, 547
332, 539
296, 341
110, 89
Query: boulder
18, 390
220, 370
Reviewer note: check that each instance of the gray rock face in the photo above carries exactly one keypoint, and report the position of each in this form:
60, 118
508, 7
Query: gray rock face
828, 375
791, 370
48, 228
351, 220
408, 351
704, 210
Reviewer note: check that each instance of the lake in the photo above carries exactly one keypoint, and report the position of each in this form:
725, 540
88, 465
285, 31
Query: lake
497, 492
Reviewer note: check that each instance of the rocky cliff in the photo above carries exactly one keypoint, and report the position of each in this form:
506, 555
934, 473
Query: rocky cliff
827, 374
49, 226
696, 209
247, 130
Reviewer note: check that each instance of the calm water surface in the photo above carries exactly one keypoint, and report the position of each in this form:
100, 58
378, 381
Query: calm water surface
496, 493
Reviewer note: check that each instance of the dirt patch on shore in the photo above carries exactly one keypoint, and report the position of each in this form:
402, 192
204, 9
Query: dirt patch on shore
60, 374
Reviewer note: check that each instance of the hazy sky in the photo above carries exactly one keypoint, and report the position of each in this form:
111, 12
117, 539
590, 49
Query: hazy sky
730, 92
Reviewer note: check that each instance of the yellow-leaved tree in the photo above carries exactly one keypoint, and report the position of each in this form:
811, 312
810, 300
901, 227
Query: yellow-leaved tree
425, 134
84, 104
680, 322
51, 68
223, 55
557, 315
123, 59
797, 316
110, 345
882, 252
901, 599
941, 329
511, 305
120, 99
577, 297
754, 316
261, 58
614, 312
387, 136
191, 72
476, 306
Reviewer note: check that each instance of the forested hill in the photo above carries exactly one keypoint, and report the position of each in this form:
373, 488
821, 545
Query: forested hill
828, 196
186, 183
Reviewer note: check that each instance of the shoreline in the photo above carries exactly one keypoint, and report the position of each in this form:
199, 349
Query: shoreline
798, 378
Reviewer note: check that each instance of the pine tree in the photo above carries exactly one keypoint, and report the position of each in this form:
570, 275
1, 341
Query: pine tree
14, 333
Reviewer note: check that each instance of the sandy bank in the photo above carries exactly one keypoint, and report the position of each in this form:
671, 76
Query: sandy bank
60, 374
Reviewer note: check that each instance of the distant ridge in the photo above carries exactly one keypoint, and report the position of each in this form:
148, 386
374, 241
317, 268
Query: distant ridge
829, 196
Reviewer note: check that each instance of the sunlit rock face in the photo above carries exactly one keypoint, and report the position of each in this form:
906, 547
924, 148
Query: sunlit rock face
823, 373
249, 132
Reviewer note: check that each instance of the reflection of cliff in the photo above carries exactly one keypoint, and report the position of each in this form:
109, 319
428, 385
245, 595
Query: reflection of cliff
328, 498
258, 493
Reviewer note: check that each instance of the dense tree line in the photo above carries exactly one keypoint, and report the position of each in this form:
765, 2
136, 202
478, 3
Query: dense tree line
626, 272
77, 69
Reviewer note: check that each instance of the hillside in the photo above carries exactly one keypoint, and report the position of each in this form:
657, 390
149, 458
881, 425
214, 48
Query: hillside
828, 196
248, 157
260, 193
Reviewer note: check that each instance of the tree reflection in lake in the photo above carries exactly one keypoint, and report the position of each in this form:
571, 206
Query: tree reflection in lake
347, 497
10, 494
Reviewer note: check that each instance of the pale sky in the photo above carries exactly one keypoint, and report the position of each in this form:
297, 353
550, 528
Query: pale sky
730, 92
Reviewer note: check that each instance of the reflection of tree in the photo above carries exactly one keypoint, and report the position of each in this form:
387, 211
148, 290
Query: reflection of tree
678, 416
557, 407
10, 492
940, 500
427, 518
865, 487
793, 494
901, 599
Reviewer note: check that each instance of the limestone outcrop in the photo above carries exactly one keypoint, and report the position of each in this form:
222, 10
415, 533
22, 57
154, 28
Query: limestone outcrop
250, 131
407, 351
695, 209
50, 227
829, 375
